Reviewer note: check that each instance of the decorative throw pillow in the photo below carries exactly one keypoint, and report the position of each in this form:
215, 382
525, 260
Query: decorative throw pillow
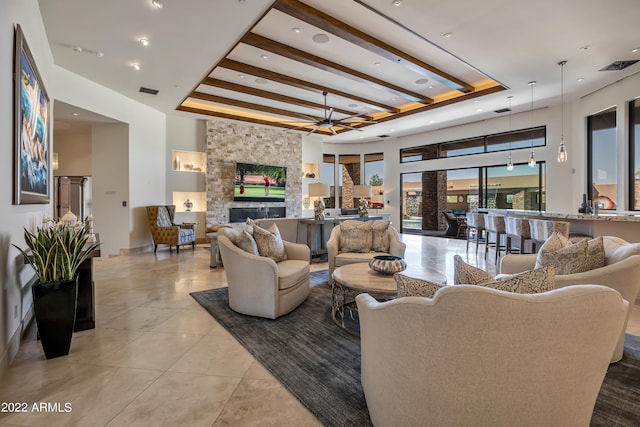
355, 236
595, 253
269, 242
465, 274
163, 219
527, 282
245, 242
379, 236
411, 287
566, 257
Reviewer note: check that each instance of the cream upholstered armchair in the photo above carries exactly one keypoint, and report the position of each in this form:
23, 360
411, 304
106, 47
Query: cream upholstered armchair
620, 272
164, 231
474, 356
259, 286
358, 241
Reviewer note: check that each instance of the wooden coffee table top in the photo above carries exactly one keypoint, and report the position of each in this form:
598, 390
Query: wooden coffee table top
360, 277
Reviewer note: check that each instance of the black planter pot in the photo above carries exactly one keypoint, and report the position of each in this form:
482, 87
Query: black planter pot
54, 305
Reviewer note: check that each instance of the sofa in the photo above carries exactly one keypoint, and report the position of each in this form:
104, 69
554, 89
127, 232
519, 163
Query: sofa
475, 356
378, 238
621, 272
260, 286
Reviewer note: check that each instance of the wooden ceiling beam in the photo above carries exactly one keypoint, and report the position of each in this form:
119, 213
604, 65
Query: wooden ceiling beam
235, 87
302, 84
298, 55
340, 29
252, 106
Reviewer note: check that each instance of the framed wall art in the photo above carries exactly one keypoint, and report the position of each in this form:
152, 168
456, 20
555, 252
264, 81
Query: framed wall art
32, 167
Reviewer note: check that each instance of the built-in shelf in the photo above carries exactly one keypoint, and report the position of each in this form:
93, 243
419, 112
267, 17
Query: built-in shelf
197, 198
189, 161
311, 170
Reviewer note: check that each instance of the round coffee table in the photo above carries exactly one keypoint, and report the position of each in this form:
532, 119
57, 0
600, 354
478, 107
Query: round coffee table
354, 279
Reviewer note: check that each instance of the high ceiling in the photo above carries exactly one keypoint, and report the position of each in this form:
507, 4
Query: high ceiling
350, 70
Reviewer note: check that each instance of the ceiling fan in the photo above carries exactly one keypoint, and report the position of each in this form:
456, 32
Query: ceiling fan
330, 124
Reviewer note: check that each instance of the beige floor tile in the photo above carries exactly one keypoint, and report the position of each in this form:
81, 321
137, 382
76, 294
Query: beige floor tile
258, 372
89, 398
88, 346
178, 399
139, 318
263, 403
197, 322
217, 354
151, 350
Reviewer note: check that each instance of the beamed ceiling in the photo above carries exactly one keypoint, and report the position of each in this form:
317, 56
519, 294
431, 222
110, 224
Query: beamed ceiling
302, 68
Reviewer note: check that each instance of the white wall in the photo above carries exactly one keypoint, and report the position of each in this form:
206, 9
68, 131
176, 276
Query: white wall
74, 151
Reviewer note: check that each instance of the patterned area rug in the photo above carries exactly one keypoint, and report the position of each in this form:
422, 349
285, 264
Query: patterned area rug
320, 363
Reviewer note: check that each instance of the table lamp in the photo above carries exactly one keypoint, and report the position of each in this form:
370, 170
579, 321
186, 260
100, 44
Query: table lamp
320, 190
362, 191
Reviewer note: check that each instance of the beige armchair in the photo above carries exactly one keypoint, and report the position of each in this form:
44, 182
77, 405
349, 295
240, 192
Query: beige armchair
474, 356
164, 231
621, 272
338, 256
258, 286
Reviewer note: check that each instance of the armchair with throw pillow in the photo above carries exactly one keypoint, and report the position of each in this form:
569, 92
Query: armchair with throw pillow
584, 263
357, 241
164, 231
267, 276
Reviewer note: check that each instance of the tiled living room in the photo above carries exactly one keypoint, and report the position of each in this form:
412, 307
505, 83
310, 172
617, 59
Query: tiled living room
511, 133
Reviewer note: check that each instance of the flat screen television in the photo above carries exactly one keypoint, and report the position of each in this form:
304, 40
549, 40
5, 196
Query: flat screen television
259, 183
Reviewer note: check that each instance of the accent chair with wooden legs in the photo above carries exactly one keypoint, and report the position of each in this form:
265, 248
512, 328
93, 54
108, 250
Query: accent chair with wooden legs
164, 231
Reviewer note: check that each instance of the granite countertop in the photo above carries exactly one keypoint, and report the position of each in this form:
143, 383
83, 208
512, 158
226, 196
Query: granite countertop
605, 216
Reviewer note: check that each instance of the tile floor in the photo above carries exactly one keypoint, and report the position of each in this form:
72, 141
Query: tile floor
156, 358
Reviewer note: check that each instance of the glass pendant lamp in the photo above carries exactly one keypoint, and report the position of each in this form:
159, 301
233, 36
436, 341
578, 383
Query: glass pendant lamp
562, 149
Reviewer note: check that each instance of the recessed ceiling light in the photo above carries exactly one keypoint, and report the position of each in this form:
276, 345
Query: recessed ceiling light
422, 81
479, 110
77, 49
635, 49
144, 41
580, 79
396, 2
377, 64
295, 30
261, 81
75, 114
447, 35
320, 38
241, 76
157, 4
99, 54
430, 86
264, 57
585, 47
135, 66
394, 99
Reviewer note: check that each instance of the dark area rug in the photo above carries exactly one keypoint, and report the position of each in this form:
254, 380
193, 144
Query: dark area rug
320, 363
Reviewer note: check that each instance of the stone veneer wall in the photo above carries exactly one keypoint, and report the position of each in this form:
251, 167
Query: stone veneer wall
228, 143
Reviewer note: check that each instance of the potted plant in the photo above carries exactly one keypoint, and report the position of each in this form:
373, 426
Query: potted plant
55, 253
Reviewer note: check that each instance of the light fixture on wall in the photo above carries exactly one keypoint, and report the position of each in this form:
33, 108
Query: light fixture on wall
362, 191
54, 161
532, 155
320, 190
510, 161
562, 149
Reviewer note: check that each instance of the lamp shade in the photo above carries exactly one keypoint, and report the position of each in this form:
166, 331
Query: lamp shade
319, 189
361, 191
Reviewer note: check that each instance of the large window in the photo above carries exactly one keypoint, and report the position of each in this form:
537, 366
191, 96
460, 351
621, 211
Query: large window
426, 194
634, 154
328, 175
602, 155
523, 138
374, 176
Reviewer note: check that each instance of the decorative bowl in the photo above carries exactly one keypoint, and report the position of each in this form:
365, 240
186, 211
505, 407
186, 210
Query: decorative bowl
387, 264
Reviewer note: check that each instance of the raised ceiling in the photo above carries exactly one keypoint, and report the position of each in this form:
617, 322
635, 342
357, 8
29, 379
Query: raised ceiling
296, 57
494, 44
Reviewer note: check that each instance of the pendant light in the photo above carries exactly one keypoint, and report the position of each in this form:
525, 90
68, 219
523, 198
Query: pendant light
562, 149
532, 156
510, 161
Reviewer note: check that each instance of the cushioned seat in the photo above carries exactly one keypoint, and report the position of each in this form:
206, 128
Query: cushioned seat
164, 231
621, 272
366, 241
474, 356
258, 285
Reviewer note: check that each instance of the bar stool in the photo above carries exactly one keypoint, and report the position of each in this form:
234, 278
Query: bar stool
494, 224
518, 230
541, 229
475, 221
